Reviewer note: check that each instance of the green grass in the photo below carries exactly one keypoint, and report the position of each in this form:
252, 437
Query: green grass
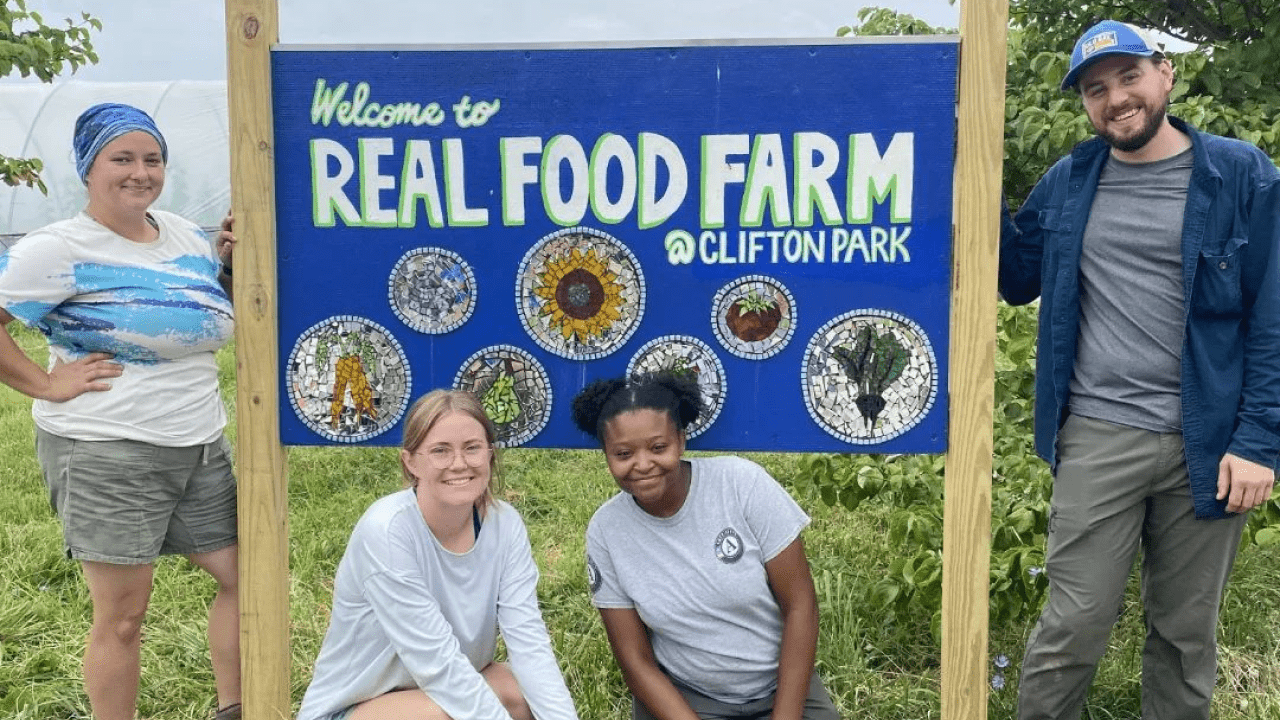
874, 667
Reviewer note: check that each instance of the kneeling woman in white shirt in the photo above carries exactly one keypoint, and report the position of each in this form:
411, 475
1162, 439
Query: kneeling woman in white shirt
430, 575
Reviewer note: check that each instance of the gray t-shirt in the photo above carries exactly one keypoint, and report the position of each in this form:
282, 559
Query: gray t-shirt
409, 613
1129, 356
697, 579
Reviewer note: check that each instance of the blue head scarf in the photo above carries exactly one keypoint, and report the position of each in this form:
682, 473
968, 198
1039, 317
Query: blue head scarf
103, 123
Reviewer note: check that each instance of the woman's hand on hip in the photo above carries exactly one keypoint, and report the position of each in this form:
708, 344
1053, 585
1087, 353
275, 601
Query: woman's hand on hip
70, 380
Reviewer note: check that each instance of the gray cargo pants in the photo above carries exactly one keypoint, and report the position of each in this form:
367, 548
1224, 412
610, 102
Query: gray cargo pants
1117, 489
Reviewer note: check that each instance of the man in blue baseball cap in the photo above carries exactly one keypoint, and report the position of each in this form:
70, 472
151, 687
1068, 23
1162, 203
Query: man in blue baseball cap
1155, 251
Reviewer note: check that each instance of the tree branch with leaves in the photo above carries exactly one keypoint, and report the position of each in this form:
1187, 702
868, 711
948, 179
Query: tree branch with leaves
29, 47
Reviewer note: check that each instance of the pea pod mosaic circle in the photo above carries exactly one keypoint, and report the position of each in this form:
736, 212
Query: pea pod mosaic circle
348, 379
514, 389
580, 293
869, 376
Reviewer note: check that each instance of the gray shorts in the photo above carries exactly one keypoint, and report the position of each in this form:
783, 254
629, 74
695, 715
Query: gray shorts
817, 705
127, 502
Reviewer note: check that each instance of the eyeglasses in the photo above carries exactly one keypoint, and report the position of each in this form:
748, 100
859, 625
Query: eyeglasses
442, 456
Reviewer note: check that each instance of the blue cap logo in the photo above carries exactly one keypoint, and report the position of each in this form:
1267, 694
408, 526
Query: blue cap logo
1098, 42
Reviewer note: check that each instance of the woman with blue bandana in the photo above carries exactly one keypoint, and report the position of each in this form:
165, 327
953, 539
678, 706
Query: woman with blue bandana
129, 419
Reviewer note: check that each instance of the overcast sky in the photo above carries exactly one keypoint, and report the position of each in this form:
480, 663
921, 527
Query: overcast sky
186, 39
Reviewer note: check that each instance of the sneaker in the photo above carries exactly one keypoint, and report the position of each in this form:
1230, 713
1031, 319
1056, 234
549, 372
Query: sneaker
230, 712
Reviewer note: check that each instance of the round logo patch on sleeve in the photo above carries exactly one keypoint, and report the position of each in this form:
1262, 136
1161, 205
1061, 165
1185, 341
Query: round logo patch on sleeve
729, 546
593, 575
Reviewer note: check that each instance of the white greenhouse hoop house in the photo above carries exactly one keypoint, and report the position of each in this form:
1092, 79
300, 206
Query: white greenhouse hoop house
37, 120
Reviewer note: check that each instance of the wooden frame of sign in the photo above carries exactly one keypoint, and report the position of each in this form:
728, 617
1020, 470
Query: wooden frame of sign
253, 27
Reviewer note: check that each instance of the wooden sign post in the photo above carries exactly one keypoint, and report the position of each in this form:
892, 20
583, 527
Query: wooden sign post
966, 527
252, 28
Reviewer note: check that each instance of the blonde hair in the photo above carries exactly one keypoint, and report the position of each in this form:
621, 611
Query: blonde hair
424, 415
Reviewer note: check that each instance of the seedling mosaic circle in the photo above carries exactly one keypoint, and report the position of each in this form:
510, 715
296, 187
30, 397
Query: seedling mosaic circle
754, 317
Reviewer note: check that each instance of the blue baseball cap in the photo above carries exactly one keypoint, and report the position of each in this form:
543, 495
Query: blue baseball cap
1106, 38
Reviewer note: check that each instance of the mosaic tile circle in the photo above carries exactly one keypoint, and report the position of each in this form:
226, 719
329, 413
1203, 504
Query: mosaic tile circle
754, 316
432, 290
686, 354
348, 379
514, 389
580, 293
869, 375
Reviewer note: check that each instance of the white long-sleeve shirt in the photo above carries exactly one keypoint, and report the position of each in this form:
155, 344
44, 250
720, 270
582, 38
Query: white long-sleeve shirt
409, 613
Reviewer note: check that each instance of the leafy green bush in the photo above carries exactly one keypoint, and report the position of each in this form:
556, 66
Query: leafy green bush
910, 488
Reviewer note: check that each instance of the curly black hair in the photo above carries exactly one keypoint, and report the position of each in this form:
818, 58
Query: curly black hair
676, 395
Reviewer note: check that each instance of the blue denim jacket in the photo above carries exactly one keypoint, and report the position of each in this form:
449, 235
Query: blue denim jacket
1231, 281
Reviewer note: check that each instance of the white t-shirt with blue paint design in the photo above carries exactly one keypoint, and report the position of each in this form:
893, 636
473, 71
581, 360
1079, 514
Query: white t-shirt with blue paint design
157, 306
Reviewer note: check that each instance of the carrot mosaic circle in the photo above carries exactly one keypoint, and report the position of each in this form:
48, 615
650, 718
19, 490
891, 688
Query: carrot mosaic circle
348, 379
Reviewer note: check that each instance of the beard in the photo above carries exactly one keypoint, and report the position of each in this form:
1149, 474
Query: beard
1136, 141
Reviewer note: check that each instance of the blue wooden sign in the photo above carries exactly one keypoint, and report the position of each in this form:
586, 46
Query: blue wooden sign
772, 219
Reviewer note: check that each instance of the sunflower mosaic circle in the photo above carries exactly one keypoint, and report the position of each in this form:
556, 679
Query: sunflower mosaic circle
348, 379
869, 376
686, 355
754, 316
432, 290
514, 389
580, 293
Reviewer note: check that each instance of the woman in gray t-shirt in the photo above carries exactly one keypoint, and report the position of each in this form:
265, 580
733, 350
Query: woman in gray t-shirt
697, 567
